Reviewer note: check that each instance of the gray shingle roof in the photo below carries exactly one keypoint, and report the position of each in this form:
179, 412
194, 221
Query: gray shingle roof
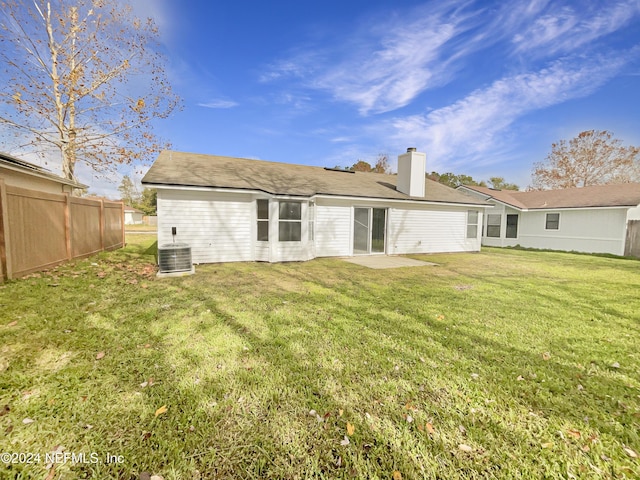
621, 195
191, 169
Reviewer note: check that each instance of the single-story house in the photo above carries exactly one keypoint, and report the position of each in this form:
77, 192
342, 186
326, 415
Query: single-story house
236, 209
594, 219
133, 216
19, 173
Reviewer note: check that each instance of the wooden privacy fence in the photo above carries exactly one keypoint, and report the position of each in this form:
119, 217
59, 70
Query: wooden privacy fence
632, 245
39, 230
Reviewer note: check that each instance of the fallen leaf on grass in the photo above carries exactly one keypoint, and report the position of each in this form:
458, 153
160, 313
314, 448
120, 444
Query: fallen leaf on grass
350, 429
520, 378
345, 441
546, 356
100, 355
28, 421
340, 412
574, 433
161, 410
148, 383
465, 448
547, 445
630, 452
615, 365
12, 324
430, 428
52, 473
397, 475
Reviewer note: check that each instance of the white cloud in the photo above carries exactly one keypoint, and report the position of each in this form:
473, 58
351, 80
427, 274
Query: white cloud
474, 128
565, 28
218, 103
385, 65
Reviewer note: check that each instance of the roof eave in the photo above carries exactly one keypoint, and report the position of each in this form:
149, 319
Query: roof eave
313, 195
44, 175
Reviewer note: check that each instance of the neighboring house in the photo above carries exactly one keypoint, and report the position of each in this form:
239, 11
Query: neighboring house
595, 219
235, 209
18, 173
133, 216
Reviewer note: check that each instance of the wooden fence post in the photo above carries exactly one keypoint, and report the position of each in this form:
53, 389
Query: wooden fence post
6, 270
122, 221
67, 225
102, 226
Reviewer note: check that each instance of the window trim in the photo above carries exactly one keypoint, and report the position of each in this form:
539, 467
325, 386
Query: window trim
261, 220
311, 217
472, 224
556, 222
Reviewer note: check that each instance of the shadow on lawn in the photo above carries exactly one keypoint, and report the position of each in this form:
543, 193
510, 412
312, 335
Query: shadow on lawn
272, 434
556, 398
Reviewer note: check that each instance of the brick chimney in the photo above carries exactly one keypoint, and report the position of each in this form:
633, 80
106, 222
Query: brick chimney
411, 172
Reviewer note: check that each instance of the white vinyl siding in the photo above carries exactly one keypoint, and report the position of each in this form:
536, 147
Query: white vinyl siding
429, 231
590, 230
223, 227
219, 227
333, 228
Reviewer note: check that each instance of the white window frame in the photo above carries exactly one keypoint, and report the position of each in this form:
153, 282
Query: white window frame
262, 220
470, 224
282, 221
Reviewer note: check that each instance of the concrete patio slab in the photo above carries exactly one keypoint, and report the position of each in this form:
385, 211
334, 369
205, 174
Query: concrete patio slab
387, 261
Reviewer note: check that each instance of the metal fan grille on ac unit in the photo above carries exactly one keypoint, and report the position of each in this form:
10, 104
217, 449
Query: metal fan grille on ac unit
174, 257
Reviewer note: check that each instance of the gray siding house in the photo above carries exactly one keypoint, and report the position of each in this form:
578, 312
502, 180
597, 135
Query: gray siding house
595, 219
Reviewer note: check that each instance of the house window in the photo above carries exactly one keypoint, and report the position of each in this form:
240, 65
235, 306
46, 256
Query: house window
493, 225
290, 225
472, 224
512, 226
263, 220
553, 221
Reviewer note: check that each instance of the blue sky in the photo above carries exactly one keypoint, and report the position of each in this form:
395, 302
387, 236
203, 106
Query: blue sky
482, 87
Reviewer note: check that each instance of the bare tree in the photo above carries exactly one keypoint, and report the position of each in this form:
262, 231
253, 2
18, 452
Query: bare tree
83, 79
592, 158
382, 164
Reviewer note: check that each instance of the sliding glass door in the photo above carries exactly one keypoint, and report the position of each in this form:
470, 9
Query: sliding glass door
369, 228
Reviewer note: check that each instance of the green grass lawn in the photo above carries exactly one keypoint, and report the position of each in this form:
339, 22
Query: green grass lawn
501, 364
